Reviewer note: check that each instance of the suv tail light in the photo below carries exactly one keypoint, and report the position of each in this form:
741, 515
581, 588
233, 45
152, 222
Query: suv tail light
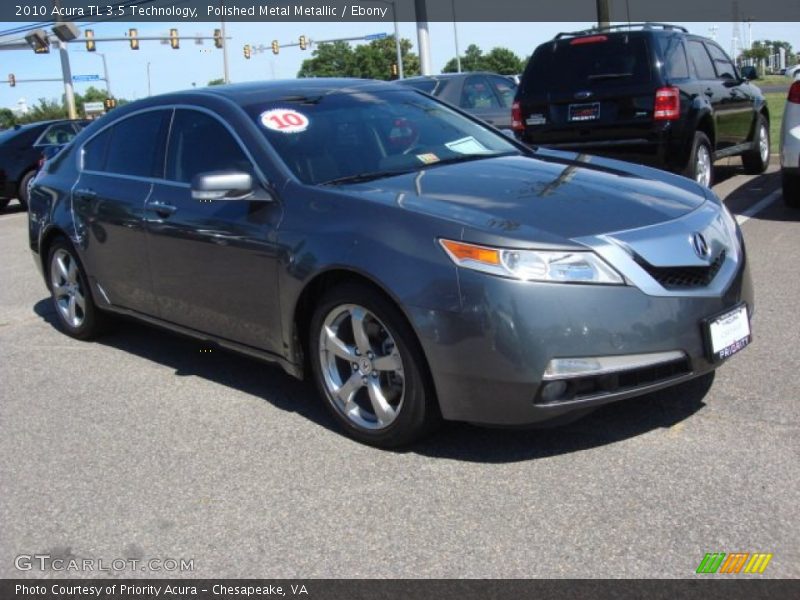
516, 117
794, 93
668, 104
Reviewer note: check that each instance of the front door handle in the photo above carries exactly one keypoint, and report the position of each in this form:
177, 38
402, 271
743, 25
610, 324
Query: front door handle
162, 209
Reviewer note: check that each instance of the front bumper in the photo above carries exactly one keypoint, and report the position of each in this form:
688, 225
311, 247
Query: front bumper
488, 361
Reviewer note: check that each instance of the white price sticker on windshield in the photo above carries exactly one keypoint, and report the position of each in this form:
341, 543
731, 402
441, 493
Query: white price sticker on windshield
467, 145
284, 120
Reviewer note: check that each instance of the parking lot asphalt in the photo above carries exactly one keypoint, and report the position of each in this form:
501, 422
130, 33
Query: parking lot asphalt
141, 445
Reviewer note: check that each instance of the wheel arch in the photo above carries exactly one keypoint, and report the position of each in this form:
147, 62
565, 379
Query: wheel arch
315, 288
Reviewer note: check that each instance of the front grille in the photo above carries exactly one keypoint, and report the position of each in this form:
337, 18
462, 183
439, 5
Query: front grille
683, 278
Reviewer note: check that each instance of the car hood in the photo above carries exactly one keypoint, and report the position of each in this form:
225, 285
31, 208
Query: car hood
549, 197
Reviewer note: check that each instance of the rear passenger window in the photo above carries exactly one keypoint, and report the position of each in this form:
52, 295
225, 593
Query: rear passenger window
675, 64
136, 146
703, 67
506, 89
199, 143
94, 153
477, 94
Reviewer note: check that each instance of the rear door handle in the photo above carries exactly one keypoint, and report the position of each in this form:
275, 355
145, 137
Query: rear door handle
162, 209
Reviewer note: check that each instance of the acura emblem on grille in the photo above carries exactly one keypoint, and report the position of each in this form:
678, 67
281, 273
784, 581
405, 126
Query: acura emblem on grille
700, 245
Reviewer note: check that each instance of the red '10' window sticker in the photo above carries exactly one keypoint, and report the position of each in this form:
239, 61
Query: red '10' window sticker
284, 120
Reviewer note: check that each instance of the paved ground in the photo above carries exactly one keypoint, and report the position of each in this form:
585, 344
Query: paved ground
140, 446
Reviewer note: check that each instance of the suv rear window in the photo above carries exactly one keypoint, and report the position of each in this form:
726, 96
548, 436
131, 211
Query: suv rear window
569, 64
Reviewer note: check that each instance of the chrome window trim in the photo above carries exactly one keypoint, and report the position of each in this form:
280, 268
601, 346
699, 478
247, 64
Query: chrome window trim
163, 180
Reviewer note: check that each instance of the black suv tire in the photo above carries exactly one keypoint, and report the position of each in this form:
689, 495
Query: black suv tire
756, 161
701, 157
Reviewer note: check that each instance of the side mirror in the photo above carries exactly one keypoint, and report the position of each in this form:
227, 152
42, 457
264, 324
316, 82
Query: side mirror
748, 73
222, 185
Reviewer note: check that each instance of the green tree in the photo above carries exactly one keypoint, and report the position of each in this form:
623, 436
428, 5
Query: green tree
498, 60
369, 61
219, 81
45, 110
7, 118
92, 94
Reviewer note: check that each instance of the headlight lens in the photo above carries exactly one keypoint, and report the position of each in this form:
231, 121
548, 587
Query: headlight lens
533, 265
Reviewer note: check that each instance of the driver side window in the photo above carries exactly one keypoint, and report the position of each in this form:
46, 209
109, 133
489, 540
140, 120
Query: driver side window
199, 143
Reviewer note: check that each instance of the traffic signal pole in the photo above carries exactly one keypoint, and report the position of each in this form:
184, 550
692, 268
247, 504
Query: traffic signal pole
66, 72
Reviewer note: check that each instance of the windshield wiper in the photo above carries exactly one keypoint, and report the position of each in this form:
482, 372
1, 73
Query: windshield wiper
467, 158
609, 76
360, 177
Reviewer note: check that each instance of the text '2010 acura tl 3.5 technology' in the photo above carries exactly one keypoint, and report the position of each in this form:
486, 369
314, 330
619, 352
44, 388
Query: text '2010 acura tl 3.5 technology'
416, 263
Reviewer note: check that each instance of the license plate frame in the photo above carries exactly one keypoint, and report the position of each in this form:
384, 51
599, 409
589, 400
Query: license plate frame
585, 112
727, 333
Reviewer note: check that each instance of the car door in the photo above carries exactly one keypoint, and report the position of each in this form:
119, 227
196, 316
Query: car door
707, 83
117, 169
505, 90
478, 98
737, 99
214, 262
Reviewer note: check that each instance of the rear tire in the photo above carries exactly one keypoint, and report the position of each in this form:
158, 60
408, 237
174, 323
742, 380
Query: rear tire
756, 161
72, 299
701, 163
369, 368
791, 190
23, 195
3, 203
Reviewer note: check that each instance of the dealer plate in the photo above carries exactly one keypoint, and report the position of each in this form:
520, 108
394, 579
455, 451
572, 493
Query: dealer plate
727, 333
584, 112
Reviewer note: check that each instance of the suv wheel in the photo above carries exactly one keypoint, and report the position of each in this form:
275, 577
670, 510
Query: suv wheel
75, 309
368, 367
791, 190
701, 164
756, 161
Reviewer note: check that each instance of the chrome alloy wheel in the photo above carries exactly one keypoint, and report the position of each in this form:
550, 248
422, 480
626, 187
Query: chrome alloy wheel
763, 144
68, 292
703, 166
361, 367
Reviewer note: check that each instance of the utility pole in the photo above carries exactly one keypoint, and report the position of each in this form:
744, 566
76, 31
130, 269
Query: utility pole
148, 80
423, 37
603, 19
66, 72
455, 37
226, 78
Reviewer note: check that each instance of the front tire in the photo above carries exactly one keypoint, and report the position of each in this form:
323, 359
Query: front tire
756, 161
701, 164
791, 190
76, 312
369, 368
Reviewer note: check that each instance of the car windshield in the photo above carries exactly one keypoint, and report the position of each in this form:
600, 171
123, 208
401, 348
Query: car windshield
348, 137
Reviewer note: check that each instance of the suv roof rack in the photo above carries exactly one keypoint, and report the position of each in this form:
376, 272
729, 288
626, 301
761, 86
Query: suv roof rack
621, 27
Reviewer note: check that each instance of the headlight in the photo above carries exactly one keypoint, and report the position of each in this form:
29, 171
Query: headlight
533, 265
730, 226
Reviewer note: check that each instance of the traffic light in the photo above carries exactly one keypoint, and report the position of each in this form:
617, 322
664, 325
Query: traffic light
12, 80
218, 38
275, 47
39, 41
303, 42
89, 35
109, 103
174, 40
395, 71
247, 51
133, 39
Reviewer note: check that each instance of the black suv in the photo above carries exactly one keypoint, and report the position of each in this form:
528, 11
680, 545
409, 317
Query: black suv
648, 93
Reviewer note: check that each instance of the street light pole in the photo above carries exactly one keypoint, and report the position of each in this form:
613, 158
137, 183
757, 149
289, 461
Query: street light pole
105, 74
226, 78
455, 37
66, 72
423, 37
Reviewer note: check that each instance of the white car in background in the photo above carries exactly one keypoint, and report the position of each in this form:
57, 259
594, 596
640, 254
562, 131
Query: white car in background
790, 147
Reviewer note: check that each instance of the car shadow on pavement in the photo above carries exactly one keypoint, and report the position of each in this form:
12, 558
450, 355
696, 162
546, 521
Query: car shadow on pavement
459, 441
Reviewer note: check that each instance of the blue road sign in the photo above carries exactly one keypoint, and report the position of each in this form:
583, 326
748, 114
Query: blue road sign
375, 36
85, 77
